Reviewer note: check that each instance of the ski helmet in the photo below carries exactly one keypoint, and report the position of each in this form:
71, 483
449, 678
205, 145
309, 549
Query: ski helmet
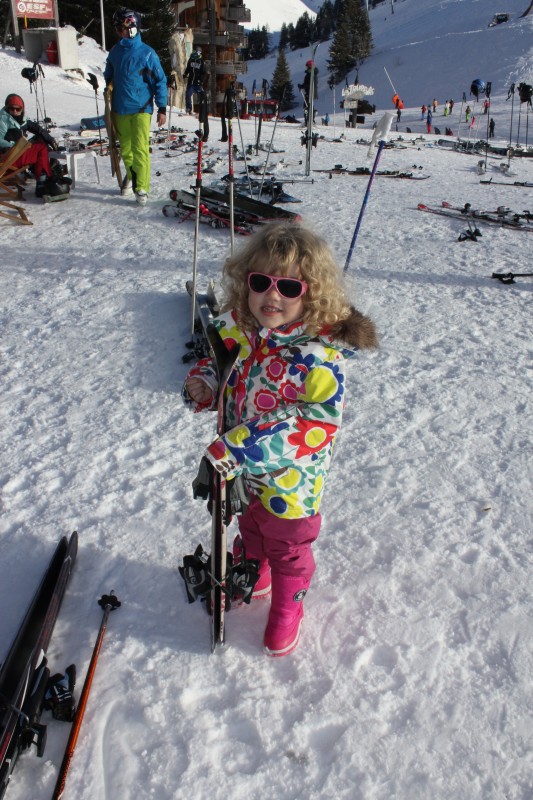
125, 18
308, 63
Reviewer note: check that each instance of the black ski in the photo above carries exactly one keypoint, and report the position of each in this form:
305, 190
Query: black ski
505, 220
24, 674
523, 184
508, 277
361, 172
215, 577
224, 360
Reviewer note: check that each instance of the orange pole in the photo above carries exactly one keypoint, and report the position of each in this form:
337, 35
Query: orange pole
108, 602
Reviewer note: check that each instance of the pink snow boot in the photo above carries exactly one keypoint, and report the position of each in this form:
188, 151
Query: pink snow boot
282, 632
263, 586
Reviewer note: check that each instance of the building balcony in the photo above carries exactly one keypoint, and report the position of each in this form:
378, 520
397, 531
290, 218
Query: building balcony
228, 67
237, 13
224, 39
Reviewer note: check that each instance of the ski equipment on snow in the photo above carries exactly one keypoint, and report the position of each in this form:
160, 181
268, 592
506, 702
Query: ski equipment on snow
109, 602
379, 138
508, 277
114, 154
24, 676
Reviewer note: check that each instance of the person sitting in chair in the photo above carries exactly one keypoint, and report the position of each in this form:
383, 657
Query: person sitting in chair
14, 125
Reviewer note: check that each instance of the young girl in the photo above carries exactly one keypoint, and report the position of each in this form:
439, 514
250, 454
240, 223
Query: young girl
285, 306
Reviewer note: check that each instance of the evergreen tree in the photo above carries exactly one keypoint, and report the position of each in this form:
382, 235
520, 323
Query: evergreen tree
325, 21
158, 23
258, 43
283, 36
304, 32
352, 41
281, 82
290, 35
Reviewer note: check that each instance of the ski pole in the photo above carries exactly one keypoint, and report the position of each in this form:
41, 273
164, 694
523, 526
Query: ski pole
229, 112
93, 80
196, 226
391, 83
380, 134
363, 207
243, 148
171, 87
109, 602
202, 134
271, 140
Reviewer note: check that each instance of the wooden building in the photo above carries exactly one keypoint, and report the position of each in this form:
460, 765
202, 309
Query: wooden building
216, 28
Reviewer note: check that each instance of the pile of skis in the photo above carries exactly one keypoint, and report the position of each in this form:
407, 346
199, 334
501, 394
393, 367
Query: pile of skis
502, 216
215, 210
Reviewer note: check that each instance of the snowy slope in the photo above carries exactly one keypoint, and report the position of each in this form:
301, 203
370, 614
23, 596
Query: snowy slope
413, 678
435, 48
276, 12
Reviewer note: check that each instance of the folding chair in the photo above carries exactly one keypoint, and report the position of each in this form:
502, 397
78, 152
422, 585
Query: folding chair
9, 186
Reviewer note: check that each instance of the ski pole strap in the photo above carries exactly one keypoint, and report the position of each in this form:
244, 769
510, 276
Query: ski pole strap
59, 697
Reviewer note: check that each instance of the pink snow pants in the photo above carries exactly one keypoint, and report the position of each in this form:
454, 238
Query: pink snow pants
285, 543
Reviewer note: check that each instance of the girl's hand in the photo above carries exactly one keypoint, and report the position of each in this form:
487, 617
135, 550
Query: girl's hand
198, 390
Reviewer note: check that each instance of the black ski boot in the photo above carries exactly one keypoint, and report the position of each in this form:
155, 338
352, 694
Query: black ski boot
53, 187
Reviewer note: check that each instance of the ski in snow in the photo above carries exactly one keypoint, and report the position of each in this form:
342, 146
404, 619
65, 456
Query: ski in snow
24, 675
505, 220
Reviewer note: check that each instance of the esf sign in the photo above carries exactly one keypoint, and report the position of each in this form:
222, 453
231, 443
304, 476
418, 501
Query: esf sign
35, 9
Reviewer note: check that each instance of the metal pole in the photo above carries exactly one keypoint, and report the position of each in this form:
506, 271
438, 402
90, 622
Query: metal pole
102, 23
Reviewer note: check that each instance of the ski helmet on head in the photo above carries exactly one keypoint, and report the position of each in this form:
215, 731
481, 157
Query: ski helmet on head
126, 19
308, 63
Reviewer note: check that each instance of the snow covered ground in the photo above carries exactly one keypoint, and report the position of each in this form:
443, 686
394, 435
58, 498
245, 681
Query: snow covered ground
413, 677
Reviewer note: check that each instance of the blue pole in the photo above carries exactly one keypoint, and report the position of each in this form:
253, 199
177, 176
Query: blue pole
365, 201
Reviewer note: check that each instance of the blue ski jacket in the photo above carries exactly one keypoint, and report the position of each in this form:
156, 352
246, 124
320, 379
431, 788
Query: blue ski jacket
137, 76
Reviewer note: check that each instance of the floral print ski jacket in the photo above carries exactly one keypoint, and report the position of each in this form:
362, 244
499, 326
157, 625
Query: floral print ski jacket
285, 399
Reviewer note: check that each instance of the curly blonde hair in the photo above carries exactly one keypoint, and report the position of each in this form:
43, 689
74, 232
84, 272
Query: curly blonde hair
273, 250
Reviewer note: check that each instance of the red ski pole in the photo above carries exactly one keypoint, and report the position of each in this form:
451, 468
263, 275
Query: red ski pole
109, 602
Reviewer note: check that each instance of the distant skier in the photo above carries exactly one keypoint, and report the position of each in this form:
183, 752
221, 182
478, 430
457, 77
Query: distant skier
429, 120
194, 74
305, 87
491, 128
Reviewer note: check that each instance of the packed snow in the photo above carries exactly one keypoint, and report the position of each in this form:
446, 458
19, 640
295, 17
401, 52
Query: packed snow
413, 676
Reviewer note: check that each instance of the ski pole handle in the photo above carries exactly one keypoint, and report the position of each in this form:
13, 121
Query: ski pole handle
109, 602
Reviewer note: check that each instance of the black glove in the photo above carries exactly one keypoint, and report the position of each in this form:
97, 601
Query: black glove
35, 128
13, 134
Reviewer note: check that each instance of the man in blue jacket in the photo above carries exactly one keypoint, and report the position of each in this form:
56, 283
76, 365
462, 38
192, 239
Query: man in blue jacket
134, 70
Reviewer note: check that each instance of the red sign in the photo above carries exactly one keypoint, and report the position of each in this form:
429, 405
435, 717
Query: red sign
35, 9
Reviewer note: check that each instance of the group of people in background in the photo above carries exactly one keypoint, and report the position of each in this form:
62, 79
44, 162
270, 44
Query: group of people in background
134, 80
